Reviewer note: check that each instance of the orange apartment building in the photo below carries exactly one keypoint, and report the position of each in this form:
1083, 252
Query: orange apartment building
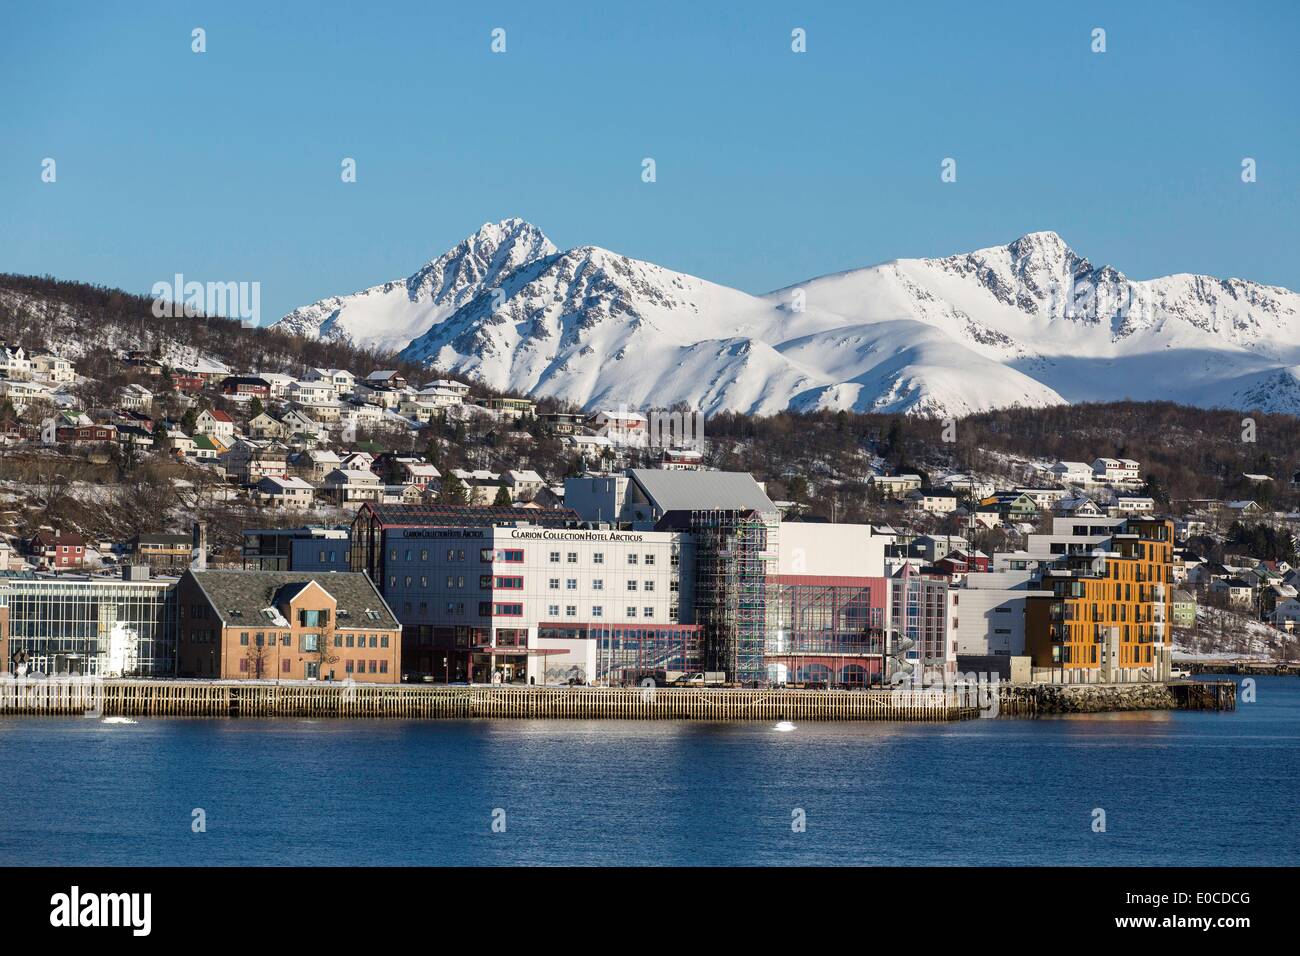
1107, 618
249, 625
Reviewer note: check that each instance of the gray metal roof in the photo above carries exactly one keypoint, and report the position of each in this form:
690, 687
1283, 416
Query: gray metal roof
701, 490
240, 596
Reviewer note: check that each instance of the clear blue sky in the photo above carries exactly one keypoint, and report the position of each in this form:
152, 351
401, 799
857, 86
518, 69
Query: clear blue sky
772, 167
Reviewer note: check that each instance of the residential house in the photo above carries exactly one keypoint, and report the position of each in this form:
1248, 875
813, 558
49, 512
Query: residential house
266, 426
936, 501
246, 387
1184, 609
53, 368
510, 407
895, 486
57, 550
313, 394
217, 423
285, 492
161, 551
347, 487
622, 427
388, 377
316, 463
249, 460
1116, 471
1073, 473
523, 485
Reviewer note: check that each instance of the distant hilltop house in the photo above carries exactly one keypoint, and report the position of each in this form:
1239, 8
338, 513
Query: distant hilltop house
621, 427
340, 380
162, 551
246, 387
216, 423
895, 486
1102, 471
291, 492
388, 377
939, 501
135, 397
15, 363
58, 550
53, 368
1116, 470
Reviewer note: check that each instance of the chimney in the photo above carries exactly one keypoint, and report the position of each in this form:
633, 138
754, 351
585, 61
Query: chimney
199, 550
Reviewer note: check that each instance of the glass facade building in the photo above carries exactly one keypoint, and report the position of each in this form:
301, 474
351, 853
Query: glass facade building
92, 627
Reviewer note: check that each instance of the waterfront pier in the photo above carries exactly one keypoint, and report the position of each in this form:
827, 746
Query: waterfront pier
193, 698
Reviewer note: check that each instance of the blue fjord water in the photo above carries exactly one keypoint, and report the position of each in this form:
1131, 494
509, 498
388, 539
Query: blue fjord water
1177, 788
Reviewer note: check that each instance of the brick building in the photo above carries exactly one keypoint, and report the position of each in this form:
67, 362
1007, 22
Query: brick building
286, 625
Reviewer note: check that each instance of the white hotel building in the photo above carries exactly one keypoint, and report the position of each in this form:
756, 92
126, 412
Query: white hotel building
536, 603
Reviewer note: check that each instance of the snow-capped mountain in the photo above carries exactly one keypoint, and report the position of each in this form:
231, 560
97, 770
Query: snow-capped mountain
1030, 323
390, 315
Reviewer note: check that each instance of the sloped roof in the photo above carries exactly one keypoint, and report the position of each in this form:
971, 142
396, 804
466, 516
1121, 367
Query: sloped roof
240, 596
701, 490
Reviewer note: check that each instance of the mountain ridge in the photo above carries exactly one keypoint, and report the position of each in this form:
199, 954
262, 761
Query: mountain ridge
1029, 323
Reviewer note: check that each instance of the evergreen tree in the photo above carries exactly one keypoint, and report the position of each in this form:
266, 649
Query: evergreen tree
453, 491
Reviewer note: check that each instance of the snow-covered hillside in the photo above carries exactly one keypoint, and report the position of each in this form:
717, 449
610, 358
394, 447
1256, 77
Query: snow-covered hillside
1030, 323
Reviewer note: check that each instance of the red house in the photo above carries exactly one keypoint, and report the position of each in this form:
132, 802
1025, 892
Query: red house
959, 562
59, 550
189, 384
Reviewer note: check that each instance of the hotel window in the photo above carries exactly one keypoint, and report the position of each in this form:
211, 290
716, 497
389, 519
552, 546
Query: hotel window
631, 611
598, 557
383, 641
347, 667
554, 584
552, 610
311, 642
284, 666
424, 580
647, 612
631, 559
383, 667
338, 641
424, 554
631, 585
573, 557
597, 611
598, 584
570, 610
571, 584
373, 666
555, 557
243, 638
648, 586
649, 559
243, 664
349, 640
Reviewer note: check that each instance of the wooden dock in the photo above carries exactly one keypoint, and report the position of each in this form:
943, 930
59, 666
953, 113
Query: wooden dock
195, 698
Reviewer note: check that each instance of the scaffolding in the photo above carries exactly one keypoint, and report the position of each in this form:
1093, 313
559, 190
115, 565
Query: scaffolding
733, 550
